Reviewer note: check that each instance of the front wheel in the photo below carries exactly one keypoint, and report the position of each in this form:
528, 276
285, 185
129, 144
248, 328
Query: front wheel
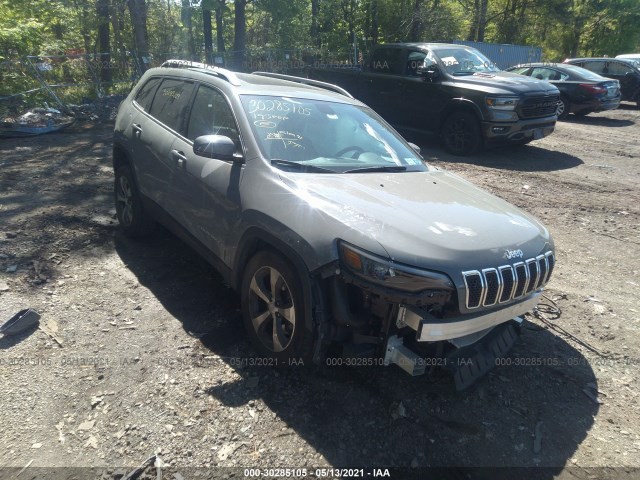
461, 133
274, 312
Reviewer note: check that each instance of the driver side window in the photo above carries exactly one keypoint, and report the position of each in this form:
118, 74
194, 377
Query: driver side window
211, 115
415, 60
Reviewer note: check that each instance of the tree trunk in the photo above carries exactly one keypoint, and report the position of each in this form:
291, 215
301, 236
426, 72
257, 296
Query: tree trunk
315, 12
104, 44
240, 33
416, 23
473, 29
374, 22
482, 19
138, 12
220, 26
208, 35
117, 24
187, 21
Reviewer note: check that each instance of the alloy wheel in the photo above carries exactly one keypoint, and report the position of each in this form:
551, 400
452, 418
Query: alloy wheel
272, 309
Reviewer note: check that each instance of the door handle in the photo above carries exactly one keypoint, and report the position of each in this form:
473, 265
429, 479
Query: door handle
136, 128
180, 158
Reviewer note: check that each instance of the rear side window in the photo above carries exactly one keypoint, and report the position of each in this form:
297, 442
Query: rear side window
619, 68
597, 67
171, 103
211, 115
144, 96
548, 74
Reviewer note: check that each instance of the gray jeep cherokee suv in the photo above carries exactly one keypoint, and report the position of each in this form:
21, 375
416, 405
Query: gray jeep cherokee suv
344, 245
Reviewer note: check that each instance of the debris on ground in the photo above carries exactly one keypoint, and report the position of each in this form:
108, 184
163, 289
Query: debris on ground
35, 122
39, 120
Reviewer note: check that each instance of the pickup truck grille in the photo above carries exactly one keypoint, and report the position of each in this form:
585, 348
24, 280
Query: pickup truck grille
492, 286
542, 106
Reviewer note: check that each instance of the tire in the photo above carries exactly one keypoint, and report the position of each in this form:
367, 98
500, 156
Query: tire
563, 107
270, 287
461, 133
133, 219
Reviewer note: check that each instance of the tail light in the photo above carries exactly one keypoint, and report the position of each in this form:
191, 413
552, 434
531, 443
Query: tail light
593, 89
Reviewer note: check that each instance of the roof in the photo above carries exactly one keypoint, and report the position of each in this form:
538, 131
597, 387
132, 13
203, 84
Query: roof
259, 83
423, 45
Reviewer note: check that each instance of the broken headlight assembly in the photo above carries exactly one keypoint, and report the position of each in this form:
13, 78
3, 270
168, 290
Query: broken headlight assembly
380, 271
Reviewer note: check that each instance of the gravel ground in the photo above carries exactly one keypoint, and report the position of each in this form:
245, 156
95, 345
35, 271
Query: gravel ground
141, 352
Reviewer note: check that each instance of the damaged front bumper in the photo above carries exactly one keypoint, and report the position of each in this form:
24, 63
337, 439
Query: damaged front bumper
464, 330
478, 341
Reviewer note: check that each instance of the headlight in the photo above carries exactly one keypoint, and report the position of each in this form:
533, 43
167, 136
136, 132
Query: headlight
378, 270
502, 103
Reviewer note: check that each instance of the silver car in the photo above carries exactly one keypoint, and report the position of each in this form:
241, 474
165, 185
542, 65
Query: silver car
345, 246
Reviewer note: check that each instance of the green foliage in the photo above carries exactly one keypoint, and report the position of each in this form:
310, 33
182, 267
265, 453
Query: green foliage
562, 27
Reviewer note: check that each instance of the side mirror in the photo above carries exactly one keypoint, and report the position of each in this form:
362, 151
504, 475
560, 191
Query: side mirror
214, 146
415, 147
429, 71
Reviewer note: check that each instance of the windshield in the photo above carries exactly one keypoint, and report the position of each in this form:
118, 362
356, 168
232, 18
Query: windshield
464, 61
298, 134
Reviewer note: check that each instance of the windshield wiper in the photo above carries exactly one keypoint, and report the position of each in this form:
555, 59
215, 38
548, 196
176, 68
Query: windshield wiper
303, 167
379, 168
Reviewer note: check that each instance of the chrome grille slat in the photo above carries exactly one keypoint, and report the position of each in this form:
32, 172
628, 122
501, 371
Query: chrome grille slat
491, 286
508, 283
532, 270
522, 278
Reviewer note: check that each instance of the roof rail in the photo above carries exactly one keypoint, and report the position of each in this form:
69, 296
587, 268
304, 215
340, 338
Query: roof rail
223, 73
307, 81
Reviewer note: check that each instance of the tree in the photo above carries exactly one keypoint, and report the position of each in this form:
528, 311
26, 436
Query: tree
207, 31
138, 12
240, 33
104, 43
187, 21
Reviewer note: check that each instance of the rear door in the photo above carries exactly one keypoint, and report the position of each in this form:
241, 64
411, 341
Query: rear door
156, 131
382, 84
627, 76
206, 190
142, 128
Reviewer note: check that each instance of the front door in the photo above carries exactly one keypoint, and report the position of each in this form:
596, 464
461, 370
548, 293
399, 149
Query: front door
206, 190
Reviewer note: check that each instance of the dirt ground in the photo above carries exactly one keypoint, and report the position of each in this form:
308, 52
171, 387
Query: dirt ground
144, 352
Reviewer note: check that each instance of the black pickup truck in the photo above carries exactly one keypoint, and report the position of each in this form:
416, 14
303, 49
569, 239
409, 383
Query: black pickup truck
452, 90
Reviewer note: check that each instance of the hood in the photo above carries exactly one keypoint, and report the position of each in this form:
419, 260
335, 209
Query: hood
505, 83
426, 219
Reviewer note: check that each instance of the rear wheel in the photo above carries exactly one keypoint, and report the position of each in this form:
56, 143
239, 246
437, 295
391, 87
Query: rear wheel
273, 309
133, 219
563, 107
461, 133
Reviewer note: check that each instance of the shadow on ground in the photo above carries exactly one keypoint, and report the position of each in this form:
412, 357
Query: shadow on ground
375, 417
523, 158
599, 121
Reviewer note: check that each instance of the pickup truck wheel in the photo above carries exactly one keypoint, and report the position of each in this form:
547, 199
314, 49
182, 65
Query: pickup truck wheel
563, 108
133, 219
461, 133
273, 309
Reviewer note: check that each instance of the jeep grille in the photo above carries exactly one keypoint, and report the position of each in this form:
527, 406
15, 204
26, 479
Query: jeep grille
508, 282
539, 106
